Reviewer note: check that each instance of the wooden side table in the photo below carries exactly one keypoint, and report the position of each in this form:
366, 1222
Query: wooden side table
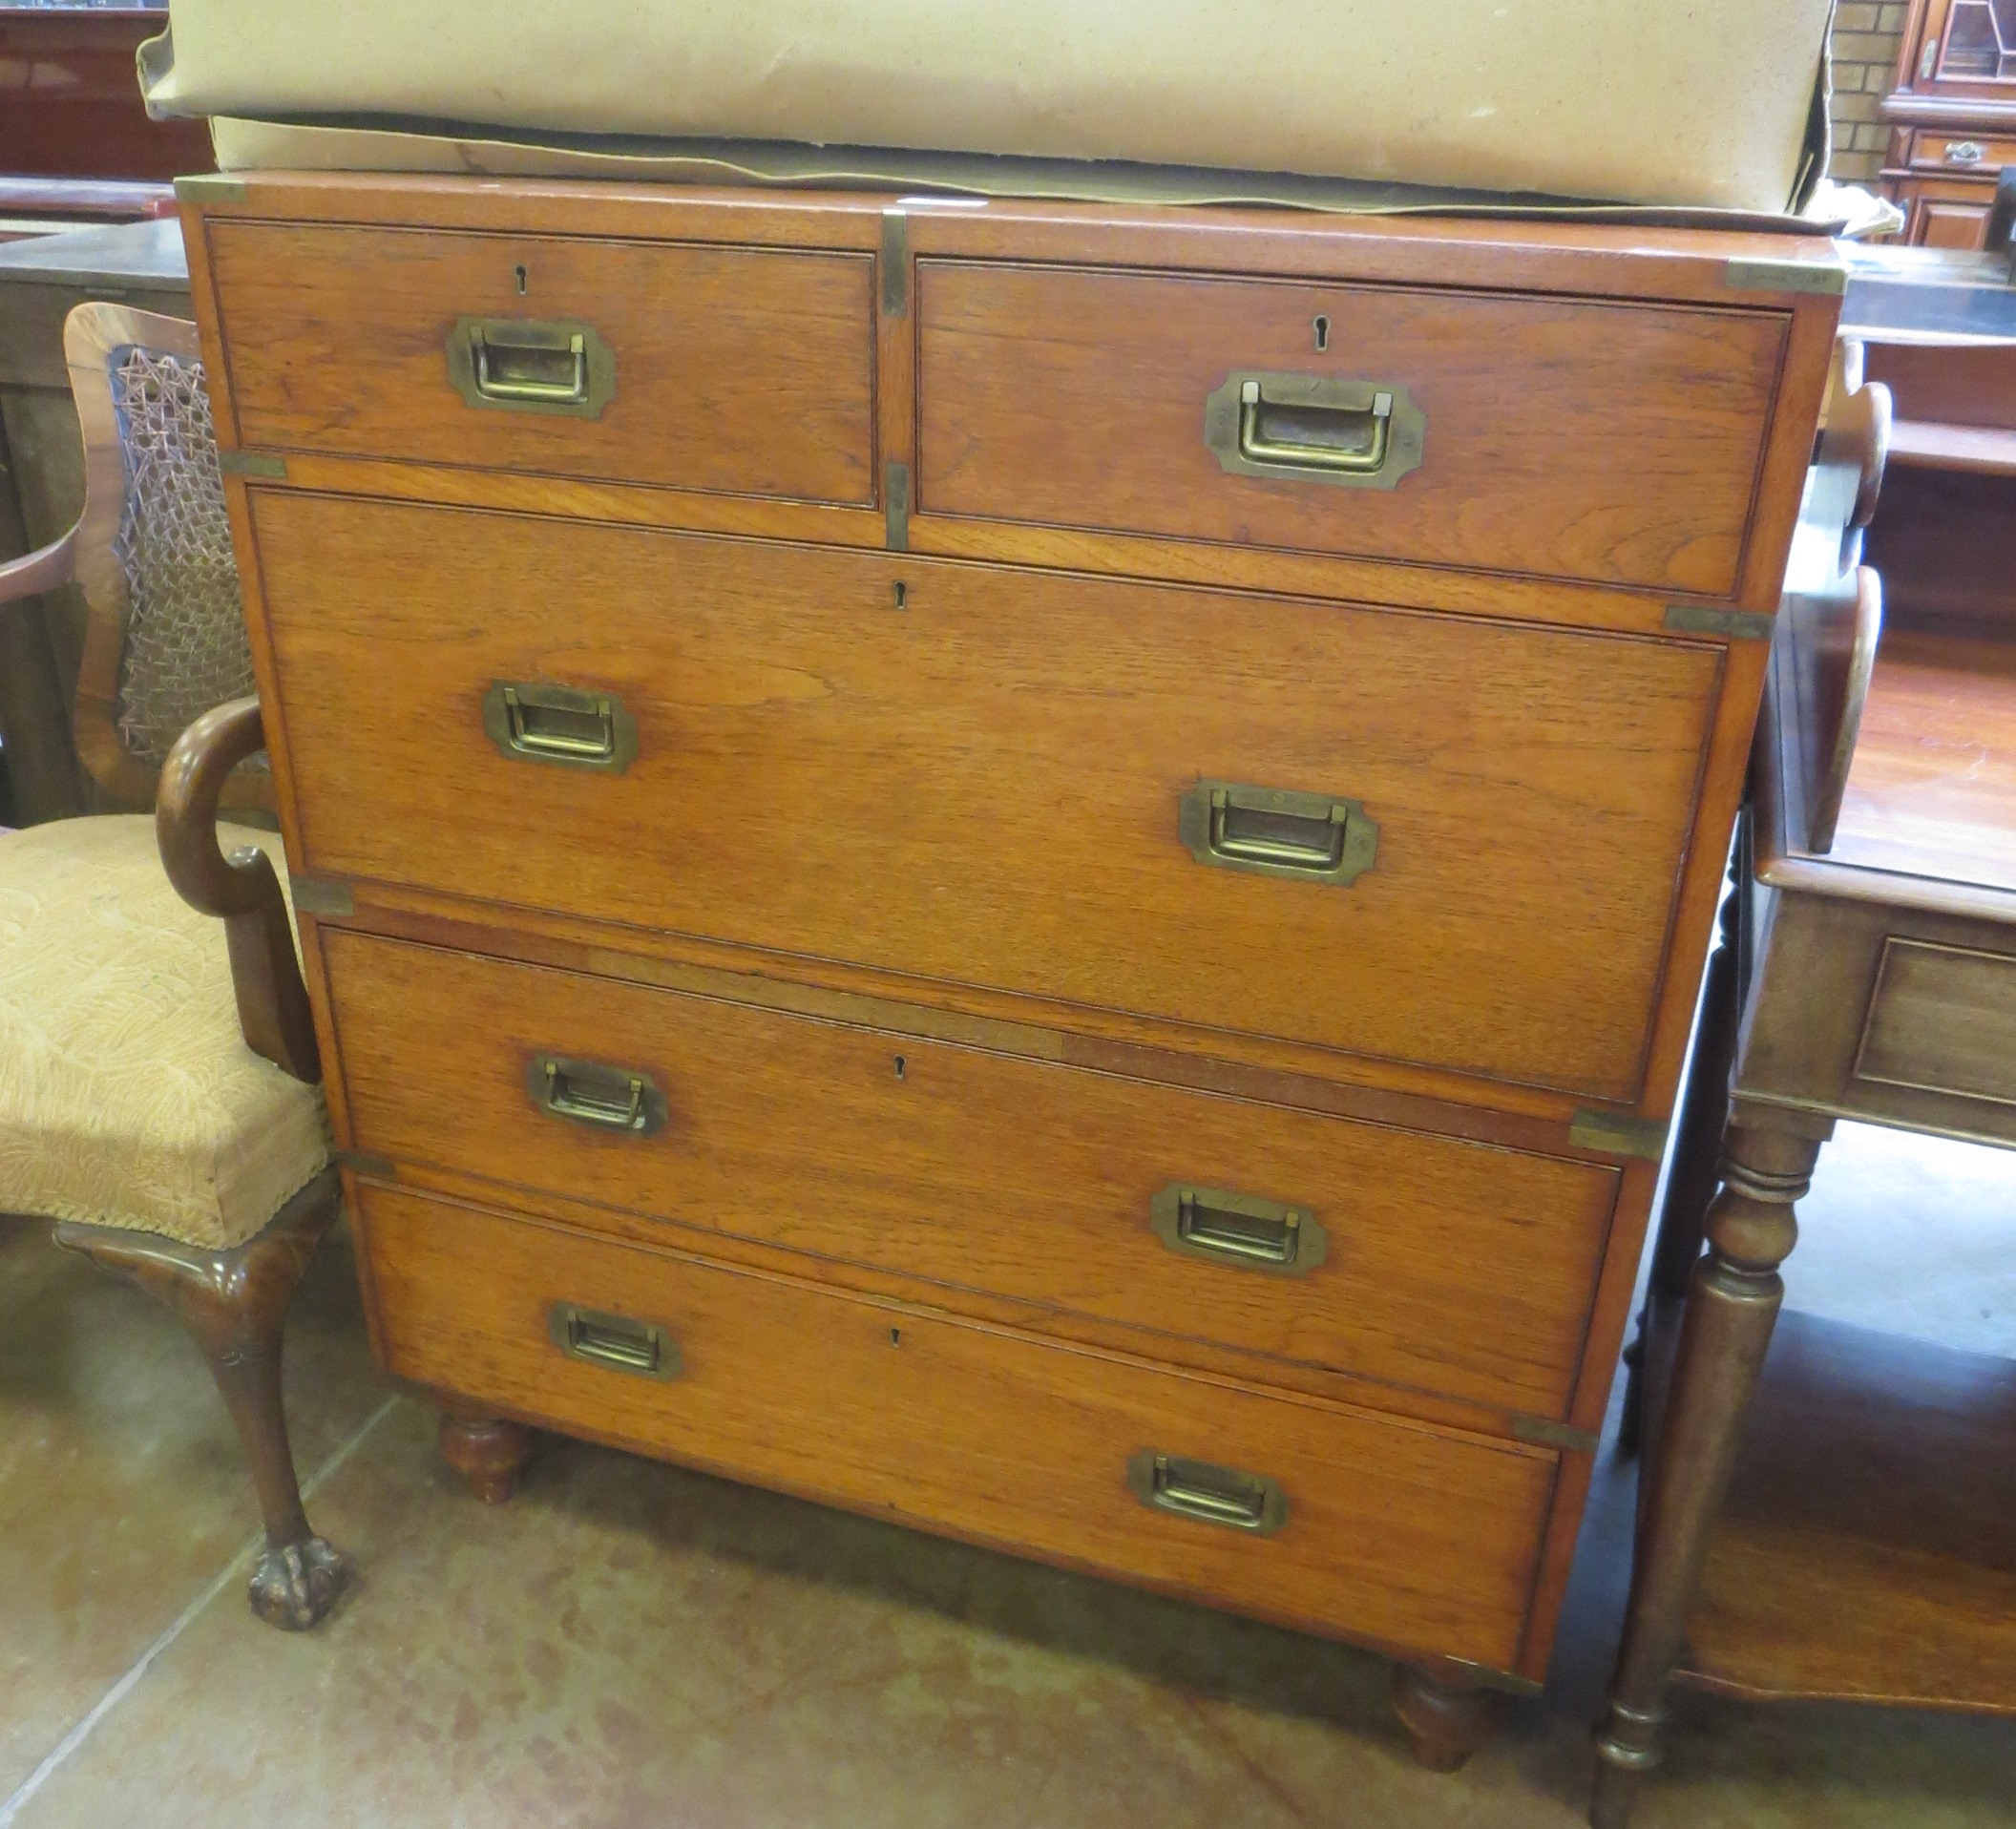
1831, 1538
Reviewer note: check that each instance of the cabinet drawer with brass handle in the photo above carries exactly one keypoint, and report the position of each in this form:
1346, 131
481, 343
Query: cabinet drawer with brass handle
1319, 1515
1562, 437
1378, 1254
1435, 839
1941, 149
743, 370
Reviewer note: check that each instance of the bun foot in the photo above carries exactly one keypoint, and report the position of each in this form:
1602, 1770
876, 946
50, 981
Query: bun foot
296, 1584
488, 1451
1447, 1712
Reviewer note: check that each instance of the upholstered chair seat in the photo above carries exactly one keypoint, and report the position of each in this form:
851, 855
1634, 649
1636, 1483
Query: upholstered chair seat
159, 1077
128, 1097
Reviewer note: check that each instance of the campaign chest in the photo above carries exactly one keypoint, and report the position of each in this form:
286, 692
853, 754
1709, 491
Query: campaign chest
1039, 869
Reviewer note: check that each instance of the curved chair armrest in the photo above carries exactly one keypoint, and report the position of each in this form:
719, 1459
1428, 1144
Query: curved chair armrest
39, 570
244, 890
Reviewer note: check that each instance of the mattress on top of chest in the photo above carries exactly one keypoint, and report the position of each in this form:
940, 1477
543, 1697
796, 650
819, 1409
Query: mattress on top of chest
1703, 106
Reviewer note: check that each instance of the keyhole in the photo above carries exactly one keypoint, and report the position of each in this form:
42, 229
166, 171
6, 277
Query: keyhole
899, 1066
895, 1336
902, 593
520, 273
1322, 327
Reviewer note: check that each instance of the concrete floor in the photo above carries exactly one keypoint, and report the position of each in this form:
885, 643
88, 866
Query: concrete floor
627, 1644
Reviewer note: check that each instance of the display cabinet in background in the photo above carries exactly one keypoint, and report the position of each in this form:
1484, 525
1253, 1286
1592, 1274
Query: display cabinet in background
1953, 116
75, 142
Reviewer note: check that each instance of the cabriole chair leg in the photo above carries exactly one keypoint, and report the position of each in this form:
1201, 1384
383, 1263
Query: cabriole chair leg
234, 1303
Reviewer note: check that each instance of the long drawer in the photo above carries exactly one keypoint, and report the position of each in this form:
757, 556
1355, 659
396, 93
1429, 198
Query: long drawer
1431, 838
1567, 437
740, 369
1318, 1516
1380, 1253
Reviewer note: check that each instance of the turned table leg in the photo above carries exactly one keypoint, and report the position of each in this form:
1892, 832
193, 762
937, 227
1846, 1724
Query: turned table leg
234, 1302
1732, 1306
1447, 1712
489, 1452
1698, 1151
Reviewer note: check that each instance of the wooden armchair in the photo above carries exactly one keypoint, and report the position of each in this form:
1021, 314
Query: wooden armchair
159, 1079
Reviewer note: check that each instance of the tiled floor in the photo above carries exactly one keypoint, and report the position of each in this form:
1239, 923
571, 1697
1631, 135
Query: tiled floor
627, 1644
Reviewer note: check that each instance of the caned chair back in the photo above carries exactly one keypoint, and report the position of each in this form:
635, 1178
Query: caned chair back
165, 639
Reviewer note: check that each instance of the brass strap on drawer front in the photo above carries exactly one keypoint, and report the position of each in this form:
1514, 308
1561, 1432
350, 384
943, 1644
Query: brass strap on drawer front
524, 366
1316, 838
615, 1343
1238, 1230
601, 1097
1212, 1495
1363, 434
561, 724
1617, 1133
322, 897
209, 187
252, 463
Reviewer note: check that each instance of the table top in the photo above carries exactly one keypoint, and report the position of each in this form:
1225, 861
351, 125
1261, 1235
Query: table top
1932, 788
1910, 294
125, 254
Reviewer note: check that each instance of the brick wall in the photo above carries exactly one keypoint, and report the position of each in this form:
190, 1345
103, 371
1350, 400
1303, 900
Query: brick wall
1865, 47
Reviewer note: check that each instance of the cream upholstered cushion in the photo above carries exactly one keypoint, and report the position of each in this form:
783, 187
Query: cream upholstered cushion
1695, 106
128, 1096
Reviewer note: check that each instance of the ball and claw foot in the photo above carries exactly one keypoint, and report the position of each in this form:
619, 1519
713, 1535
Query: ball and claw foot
1447, 1714
488, 1451
296, 1584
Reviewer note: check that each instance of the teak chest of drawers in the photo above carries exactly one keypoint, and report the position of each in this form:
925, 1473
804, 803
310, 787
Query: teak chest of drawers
1036, 869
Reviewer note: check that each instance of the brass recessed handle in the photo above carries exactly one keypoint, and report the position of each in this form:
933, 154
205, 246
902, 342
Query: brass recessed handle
1238, 1230
602, 1098
1274, 831
559, 725
1366, 434
1329, 439
530, 366
612, 1342
1212, 1495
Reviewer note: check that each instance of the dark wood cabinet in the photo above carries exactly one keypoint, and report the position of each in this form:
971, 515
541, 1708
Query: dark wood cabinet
1953, 118
75, 142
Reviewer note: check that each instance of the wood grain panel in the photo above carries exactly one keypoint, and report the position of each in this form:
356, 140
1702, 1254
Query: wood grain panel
1943, 1019
740, 369
1932, 787
983, 786
1454, 1267
1397, 1533
1612, 443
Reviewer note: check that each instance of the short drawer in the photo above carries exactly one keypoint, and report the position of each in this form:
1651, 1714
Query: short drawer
1384, 1253
1006, 780
1940, 149
738, 370
1616, 443
1320, 1516
1942, 1018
